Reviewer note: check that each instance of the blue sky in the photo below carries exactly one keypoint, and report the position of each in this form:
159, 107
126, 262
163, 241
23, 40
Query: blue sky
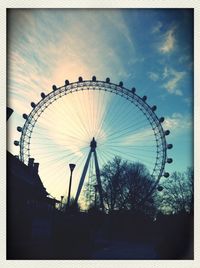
150, 49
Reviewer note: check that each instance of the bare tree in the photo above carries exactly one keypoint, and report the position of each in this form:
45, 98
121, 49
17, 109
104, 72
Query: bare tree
178, 192
125, 186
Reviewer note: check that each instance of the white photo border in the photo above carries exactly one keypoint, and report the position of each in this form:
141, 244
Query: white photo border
195, 4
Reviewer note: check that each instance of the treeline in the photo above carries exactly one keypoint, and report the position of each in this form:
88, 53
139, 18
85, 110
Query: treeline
130, 187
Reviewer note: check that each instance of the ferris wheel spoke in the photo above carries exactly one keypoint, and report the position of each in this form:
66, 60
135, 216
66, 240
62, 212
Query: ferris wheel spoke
102, 158
119, 114
129, 130
77, 103
61, 156
102, 103
52, 161
63, 159
65, 116
59, 111
56, 177
61, 131
81, 116
50, 154
106, 157
70, 124
128, 147
54, 140
131, 125
58, 135
58, 171
58, 180
80, 111
107, 114
114, 116
99, 103
123, 123
150, 145
106, 107
55, 172
130, 155
91, 111
131, 140
121, 135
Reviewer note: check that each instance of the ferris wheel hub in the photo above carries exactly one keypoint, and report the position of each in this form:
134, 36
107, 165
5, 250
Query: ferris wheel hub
93, 144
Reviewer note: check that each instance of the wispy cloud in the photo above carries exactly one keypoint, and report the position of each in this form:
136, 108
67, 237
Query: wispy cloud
165, 72
42, 52
157, 27
184, 58
153, 76
168, 41
177, 122
118, 22
172, 80
188, 101
187, 60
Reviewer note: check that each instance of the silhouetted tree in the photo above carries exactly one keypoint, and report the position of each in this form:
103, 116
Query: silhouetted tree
178, 192
125, 185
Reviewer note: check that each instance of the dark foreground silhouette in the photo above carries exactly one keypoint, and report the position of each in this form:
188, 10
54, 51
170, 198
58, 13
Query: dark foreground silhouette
125, 235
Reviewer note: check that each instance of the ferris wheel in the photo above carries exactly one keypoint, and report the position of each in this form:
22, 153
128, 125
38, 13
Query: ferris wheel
89, 122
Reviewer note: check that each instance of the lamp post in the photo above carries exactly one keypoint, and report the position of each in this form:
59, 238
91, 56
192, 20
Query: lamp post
61, 201
71, 166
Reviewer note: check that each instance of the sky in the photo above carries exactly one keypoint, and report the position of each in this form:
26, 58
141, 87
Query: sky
149, 49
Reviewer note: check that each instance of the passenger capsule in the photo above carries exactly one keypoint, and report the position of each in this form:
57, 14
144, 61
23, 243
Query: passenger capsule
54, 87
66, 82
121, 84
167, 132
80, 79
166, 174
107, 80
33, 104
133, 89
42, 95
169, 160
153, 108
159, 188
144, 98
161, 120
25, 116
19, 129
16, 143
94, 79
169, 146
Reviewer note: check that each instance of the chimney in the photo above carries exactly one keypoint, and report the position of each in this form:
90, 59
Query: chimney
31, 162
35, 168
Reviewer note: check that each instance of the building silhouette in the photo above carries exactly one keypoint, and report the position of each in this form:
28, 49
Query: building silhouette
30, 209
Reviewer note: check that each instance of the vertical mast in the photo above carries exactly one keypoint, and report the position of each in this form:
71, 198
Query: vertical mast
93, 145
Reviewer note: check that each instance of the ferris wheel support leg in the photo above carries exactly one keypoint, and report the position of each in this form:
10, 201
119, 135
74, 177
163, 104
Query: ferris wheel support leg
83, 176
98, 180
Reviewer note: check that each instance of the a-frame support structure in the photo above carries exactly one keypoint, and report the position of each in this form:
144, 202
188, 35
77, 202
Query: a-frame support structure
93, 145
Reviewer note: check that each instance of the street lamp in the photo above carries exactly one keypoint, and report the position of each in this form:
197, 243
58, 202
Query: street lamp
61, 201
71, 166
